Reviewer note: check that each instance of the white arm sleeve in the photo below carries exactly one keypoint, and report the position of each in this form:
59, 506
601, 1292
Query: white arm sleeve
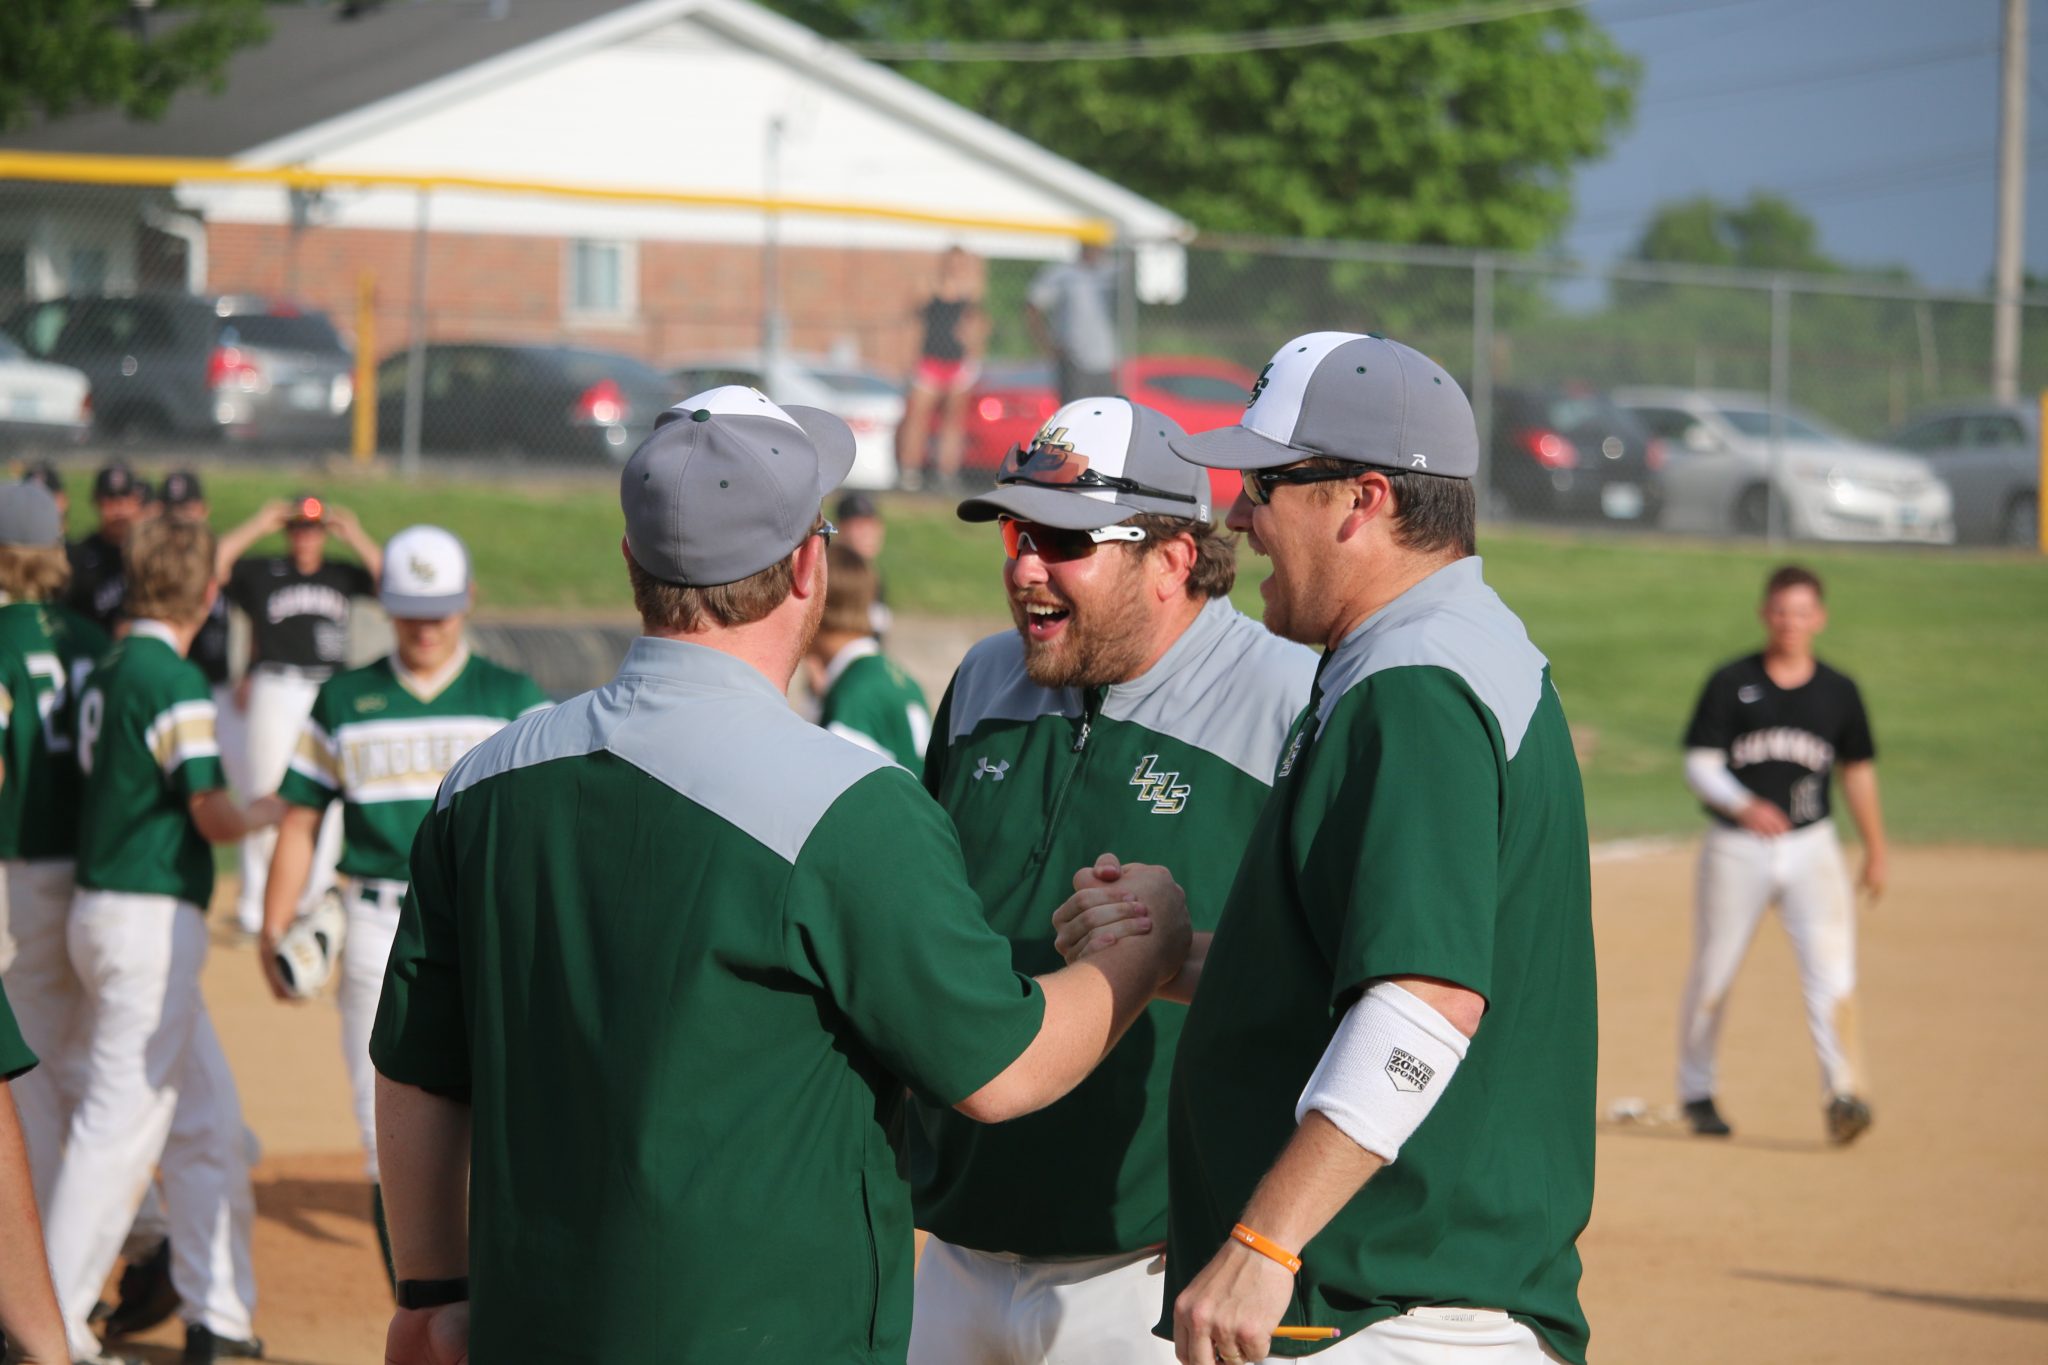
1379, 1078
1706, 772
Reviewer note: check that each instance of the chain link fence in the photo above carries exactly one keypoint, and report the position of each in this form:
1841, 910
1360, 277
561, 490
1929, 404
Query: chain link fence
463, 329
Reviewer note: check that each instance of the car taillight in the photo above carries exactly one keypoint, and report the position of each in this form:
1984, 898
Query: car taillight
602, 403
85, 407
989, 409
1549, 449
1655, 453
229, 368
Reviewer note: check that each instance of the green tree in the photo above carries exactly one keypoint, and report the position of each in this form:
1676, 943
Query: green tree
1768, 232
1456, 136
59, 56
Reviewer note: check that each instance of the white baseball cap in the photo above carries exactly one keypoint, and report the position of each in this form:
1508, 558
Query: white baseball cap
426, 574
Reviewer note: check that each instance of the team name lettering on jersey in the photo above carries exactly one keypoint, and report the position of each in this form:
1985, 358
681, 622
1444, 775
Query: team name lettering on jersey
306, 599
1167, 793
1782, 744
397, 760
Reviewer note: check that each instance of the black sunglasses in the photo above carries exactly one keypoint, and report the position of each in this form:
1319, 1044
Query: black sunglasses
1260, 483
1047, 466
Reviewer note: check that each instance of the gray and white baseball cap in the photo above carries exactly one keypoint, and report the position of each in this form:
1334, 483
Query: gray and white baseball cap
1096, 462
728, 483
426, 575
29, 516
1347, 396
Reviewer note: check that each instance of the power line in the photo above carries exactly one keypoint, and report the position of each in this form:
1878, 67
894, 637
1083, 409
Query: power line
1820, 76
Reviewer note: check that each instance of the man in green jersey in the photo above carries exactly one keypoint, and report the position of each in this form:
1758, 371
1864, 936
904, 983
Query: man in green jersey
157, 1089
45, 652
380, 738
864, 696
30, 1328
1381, 1118
670, 957
1132, 709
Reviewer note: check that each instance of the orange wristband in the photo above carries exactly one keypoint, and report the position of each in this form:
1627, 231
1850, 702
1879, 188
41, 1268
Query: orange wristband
1266, 1247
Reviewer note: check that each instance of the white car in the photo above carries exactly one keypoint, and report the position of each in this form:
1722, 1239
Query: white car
40, 403
869, 403
1830, 486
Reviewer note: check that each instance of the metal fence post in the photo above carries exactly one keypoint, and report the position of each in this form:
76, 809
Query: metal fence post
1482, 375
416, 356
1126, 302
1775, 521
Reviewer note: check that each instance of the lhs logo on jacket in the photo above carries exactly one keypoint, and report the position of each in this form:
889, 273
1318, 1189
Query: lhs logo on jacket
1167, 793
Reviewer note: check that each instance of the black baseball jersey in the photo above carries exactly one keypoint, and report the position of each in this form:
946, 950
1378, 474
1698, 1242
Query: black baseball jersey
294, 618
210, 645
97, 588
1782, 743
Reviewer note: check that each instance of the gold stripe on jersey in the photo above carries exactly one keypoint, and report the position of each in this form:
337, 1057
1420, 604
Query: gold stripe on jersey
316, 758
6, 708
181, 733
405, 759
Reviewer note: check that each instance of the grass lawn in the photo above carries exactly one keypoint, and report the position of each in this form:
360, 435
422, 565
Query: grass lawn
1951, 648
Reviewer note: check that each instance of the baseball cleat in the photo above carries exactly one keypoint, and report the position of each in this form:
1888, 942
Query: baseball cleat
1847, 1118
1705, 1119
203, 1346
147, 1297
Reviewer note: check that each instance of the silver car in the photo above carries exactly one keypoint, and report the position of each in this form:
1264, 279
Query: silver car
1990, 453
1829, 486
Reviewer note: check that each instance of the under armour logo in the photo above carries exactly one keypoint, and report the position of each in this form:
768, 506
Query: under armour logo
1167, 793
994, 771
1418, 462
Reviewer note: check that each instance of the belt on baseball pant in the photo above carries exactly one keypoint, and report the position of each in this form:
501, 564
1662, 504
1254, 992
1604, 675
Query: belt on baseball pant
377, 892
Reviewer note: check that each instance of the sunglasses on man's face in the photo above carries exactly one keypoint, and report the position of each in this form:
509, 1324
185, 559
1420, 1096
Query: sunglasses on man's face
1056, 546
1260, 483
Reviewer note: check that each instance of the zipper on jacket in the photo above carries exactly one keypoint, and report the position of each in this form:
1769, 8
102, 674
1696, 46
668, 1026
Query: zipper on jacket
1091, 704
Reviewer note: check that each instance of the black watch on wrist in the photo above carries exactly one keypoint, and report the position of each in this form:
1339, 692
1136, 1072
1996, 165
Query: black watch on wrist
432, 1293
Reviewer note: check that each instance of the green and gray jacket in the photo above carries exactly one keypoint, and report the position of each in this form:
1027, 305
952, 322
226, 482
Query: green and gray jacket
1172, 768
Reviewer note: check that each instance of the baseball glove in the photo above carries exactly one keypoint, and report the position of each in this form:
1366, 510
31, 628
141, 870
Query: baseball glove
307, 952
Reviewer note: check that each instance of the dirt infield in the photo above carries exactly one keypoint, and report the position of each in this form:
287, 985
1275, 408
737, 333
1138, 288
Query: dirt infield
1924, 1241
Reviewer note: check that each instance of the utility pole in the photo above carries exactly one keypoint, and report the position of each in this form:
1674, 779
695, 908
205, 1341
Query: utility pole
2012, 174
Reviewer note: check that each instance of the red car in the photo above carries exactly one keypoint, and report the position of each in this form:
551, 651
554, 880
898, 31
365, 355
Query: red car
1012, 400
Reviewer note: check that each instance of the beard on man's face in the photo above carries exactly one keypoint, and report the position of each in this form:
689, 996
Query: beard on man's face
1101, 640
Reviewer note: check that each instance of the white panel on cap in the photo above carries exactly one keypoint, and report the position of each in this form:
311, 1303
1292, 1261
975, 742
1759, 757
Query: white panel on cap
1099, 428
1277, 410
735, 400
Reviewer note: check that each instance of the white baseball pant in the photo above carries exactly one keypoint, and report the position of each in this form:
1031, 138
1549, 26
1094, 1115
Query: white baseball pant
157, 1092
1440, 1336
280, 699
993, 1308
49, 1006
1740, 876
365, 949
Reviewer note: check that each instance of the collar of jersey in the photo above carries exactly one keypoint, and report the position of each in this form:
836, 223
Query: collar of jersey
677, 661
424, 688
1211, 621
1459, 578
843, 660
153, 630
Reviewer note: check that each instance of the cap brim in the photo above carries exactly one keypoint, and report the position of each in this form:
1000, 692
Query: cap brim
417, 607
1236, 447
1067, 510
832, 439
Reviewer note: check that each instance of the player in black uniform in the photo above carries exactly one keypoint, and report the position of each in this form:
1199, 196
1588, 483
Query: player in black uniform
97, 589
1768, 733
298, 608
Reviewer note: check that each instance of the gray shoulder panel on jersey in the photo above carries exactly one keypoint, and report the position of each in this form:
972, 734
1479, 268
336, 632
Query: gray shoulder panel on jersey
704, 725
991, 684
1227, 685
1450, 620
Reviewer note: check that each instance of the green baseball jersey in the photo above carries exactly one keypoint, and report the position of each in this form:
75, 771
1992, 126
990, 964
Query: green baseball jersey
1426, 820
15, 1057
873, 702
46, 652
683, 952
382, 744
1170, 767
146, 747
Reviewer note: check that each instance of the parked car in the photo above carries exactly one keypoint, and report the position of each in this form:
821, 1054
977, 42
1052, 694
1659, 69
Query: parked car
868, 402
1012, 400
536, 401
1557, 453
1990, 454
227, 367
1831, 487
40, 403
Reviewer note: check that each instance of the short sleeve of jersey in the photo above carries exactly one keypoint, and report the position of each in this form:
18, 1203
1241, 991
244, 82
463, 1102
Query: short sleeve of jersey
1856, 744
1401, 871
880, 914
244, 585
356, 580
1713, 717
313, 777
15, 1058
421, 1036
182, 736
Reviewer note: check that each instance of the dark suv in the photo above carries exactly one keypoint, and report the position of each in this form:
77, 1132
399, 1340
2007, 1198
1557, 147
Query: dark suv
232, 367
1561, 453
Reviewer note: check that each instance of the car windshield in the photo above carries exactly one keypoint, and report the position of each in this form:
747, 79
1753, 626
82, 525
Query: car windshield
1013, 374
283, 332
8, 350
856, 383
584, 368
1757, 422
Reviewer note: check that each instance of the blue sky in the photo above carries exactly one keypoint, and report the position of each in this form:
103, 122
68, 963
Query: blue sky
1878, 117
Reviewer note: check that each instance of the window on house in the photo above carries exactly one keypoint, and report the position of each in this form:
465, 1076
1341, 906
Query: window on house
601, 279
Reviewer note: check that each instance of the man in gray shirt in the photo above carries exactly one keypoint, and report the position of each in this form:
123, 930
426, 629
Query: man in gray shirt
1071, 309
